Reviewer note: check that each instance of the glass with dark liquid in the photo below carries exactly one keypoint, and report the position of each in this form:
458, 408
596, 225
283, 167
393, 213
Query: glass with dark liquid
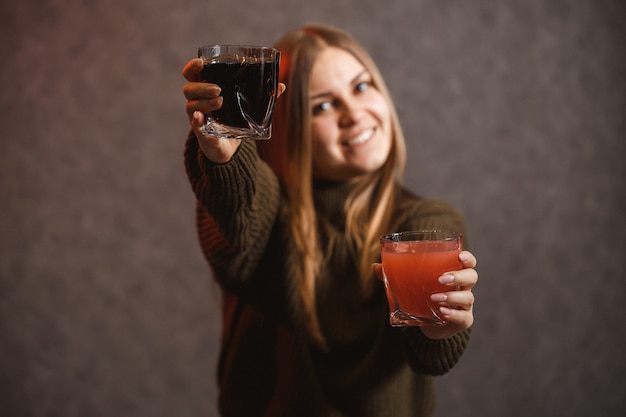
248, 77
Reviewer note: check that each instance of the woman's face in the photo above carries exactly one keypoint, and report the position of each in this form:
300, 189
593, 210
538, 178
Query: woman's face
351, 122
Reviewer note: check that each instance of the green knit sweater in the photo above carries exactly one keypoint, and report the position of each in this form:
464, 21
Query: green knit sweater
267, 367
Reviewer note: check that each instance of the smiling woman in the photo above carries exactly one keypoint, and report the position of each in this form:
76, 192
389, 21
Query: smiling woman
351, 123
291, 228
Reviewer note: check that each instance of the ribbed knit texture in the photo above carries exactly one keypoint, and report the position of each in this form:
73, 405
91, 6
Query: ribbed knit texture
267, 367
247, 204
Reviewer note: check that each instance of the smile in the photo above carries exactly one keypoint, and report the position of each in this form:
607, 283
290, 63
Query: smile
361, 138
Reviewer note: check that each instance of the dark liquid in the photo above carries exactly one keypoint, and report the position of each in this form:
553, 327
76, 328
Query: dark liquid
254, 83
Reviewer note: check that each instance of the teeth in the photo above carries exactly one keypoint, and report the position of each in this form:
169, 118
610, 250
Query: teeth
362, 137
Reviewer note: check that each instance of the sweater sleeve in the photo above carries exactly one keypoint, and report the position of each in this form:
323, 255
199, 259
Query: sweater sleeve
237, 203
434, 357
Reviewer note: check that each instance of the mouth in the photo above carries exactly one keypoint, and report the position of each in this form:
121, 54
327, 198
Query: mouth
362, 137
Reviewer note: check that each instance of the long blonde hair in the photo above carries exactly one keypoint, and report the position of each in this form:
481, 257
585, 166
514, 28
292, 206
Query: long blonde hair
370, 206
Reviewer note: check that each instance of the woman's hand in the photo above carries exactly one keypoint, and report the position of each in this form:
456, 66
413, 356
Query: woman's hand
456, 305
204, 98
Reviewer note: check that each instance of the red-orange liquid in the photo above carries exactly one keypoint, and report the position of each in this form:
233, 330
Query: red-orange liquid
412, 277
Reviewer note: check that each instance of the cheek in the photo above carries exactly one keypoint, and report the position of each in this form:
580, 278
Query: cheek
381, 108
322, 135
320, 132
385, 118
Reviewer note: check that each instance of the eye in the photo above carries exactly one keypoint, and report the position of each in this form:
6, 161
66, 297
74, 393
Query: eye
321, 107
362, 86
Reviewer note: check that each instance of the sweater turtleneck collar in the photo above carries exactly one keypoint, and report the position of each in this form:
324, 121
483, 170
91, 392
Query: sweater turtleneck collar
330, 197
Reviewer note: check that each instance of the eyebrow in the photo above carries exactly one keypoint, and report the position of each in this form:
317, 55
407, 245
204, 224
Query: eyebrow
354, 80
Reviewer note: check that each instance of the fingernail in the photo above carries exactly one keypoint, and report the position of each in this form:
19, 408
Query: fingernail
446, 279
439, 297
217, 101
463, 257
445, 311
214, 90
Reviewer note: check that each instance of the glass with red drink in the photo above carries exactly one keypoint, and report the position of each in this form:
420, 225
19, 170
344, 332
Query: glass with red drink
412, 263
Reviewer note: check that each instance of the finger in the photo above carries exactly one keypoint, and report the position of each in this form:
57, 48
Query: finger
378, 270
197, 120
463, 319
468, 260
466, 278
192, 69
195, 90
463, 300
204, 106
462, 279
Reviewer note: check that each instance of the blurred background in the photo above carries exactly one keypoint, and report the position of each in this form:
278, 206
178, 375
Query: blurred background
514, 111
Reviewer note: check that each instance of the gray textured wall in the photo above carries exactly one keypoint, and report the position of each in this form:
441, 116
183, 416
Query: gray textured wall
514, 111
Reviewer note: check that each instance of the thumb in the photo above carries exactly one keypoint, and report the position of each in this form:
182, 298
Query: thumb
378, 270
197, 120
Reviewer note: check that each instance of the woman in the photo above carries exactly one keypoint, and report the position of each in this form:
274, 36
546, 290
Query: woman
290, 228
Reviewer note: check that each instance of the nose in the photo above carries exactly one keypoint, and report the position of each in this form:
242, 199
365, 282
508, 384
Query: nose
351, 112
